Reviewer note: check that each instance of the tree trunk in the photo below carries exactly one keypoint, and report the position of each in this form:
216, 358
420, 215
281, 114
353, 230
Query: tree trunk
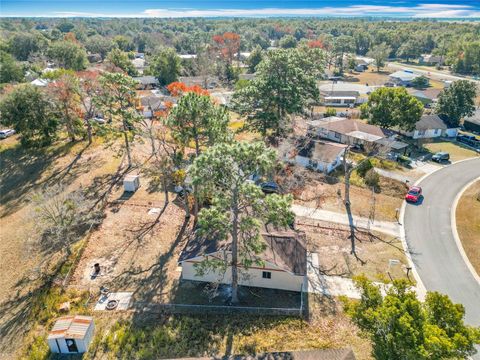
127, 144
195, 188
164, 180
235, 249
89, 131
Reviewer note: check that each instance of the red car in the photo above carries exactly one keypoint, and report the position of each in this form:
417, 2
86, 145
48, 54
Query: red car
414, 194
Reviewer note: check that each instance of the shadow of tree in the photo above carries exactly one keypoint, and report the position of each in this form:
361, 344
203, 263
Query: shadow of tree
23, 168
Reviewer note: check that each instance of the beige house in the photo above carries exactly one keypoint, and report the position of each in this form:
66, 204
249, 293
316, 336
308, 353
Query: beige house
283, 264
429, 127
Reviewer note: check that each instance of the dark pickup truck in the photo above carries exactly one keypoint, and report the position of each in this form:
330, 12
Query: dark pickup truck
469, 140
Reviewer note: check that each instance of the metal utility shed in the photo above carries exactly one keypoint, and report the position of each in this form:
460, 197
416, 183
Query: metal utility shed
71, 334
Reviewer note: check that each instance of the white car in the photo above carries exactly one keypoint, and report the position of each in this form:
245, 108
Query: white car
6, 133
99, 120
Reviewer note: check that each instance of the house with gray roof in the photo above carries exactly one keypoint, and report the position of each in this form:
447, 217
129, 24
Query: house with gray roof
429, 127
319, 155
283, 262
344, 94
403, 77
472, 123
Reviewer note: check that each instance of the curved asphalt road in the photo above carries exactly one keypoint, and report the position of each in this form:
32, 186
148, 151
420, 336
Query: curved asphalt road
430, 239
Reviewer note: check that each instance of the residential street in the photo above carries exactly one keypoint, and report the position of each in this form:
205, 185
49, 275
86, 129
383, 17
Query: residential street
434, 74
432, 243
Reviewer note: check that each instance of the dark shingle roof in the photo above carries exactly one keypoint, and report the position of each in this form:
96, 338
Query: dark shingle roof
317, 150
428, 122
285, 248
346, 126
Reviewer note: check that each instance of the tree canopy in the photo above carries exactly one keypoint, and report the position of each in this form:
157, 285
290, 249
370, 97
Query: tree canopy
402, 327
392, 108
239, 207
457, 101
68, 54
284, 85
29, 111
166, 66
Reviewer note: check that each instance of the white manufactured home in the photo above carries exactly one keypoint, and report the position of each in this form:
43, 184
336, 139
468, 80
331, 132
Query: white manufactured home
283, 265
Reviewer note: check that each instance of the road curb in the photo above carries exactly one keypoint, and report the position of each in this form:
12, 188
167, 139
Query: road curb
453, 224
421, 289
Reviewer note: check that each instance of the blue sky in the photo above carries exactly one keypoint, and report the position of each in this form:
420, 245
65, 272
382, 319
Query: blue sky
253, 8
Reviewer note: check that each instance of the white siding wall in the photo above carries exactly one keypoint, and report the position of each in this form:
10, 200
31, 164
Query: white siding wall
451, 132
279, 279
305, 162
427, 134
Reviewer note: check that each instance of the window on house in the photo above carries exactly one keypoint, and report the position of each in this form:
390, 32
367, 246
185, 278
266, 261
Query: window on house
267, 275
337, 135
421, 132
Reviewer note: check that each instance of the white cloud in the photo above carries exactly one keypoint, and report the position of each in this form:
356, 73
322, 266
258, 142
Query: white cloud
419, 11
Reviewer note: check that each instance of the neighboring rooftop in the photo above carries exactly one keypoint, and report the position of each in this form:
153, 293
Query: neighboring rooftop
350, 127
322, 151
341, 94
72, 327
428, 122
285, 248
404, 75
345, 86
147, 80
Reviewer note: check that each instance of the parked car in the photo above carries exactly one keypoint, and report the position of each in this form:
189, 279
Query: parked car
414, 194
270, 187
99, 120
441, 156
6, 133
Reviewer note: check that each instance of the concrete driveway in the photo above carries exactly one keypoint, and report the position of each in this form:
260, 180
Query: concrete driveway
431, 241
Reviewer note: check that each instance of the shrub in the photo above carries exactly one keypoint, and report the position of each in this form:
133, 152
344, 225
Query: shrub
330, 112
363, 167
372, 179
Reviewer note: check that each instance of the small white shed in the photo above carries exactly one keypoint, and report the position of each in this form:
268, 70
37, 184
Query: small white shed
131, 183
71, 334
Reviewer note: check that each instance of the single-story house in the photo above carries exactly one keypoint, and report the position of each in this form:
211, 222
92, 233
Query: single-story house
403, 77
472, 123
340, 98
344, 94
346, 131
430, 126
318, 155
71, 334
284, 261
40, 82
429, 59
427, 96
151, 104
361, 65
139, 64
146, 82
206, 82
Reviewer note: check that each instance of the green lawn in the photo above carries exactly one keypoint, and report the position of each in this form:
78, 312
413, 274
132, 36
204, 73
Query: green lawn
456, 151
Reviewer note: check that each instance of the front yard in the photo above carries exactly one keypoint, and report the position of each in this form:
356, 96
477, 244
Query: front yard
457, 151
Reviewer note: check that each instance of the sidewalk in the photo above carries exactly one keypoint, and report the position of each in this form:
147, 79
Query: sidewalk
386, 227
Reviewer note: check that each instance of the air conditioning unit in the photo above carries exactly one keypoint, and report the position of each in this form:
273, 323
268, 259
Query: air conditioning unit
131, 183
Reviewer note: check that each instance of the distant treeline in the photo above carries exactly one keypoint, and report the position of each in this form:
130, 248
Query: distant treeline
456, 42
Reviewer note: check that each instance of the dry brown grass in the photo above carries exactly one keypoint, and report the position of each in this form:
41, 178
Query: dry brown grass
137, 251
326, 196
332, 244
456, 151
468, 223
